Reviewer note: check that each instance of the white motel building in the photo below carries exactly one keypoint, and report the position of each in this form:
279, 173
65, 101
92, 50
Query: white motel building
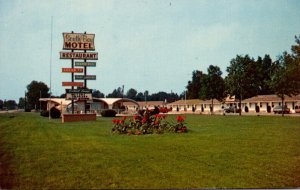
261, 104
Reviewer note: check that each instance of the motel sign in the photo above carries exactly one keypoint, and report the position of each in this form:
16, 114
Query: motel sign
78, 41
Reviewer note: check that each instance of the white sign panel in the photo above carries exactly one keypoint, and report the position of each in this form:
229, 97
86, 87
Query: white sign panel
78, 41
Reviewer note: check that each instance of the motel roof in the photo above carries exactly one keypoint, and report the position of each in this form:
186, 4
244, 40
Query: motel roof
193, 102
272, 98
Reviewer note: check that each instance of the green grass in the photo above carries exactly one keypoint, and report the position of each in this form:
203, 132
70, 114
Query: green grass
217, 152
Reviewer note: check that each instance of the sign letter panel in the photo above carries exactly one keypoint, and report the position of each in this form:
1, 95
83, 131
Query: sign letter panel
80, 84
78, 55
78, 41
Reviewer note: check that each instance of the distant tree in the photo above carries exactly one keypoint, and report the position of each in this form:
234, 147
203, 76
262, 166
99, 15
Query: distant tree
97, 94
239, 81
146, 95
194, 86
266, 72
10, 104
1, 104
294, 68
213, 85
35, 90
140, 97
117, 93
21, 103
160, 96
131, 94
172, 97
62, 95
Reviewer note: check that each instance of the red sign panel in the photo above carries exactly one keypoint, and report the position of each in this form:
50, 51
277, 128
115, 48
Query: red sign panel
80, 84
72, 70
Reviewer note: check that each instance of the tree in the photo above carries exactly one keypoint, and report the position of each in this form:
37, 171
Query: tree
266, 72
294, 68
1, 104
21, 103
35, 90
140, 97
194, 86
117, 93
213, 85
97, 94
285, 80
239, 81
131, 94
10, 104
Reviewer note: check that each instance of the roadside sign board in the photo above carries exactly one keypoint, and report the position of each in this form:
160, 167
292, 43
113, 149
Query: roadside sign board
79, 55
72, 70
79, 96
87, 91
85, 77
79, 84
87, 64
78, 41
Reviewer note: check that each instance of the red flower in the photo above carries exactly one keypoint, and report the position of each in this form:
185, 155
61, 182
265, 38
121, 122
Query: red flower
180, 119
144, 120
115, 121
136, 117
158, 116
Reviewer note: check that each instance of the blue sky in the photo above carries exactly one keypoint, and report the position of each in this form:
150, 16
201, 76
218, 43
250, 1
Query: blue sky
149, 45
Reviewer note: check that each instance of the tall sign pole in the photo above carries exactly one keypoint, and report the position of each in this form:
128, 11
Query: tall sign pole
77, 42
51, 67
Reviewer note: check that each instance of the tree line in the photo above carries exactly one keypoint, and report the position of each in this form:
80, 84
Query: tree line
143, 96
36, 90
248, 77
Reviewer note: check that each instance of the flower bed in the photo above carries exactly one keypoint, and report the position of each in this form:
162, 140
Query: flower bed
148, 124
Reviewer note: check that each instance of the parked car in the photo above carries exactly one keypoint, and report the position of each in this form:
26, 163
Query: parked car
280, 109
231, 109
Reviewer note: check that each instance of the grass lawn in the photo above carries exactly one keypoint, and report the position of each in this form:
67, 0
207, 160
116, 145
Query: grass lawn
217, 152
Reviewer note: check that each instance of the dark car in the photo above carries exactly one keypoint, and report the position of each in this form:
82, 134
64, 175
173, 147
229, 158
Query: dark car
280, 109
231, 109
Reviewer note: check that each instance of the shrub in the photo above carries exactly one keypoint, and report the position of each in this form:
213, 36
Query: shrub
54, 113
148, 124
45, 113
108, 113
27, 110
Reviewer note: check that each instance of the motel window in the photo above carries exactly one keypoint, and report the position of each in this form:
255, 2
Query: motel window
260, 105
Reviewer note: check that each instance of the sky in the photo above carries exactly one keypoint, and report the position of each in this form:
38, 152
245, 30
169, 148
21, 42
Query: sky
152, 45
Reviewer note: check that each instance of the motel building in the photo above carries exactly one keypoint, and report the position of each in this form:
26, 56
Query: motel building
196, 106
144, 105
257, 104
95, 106
266, 103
